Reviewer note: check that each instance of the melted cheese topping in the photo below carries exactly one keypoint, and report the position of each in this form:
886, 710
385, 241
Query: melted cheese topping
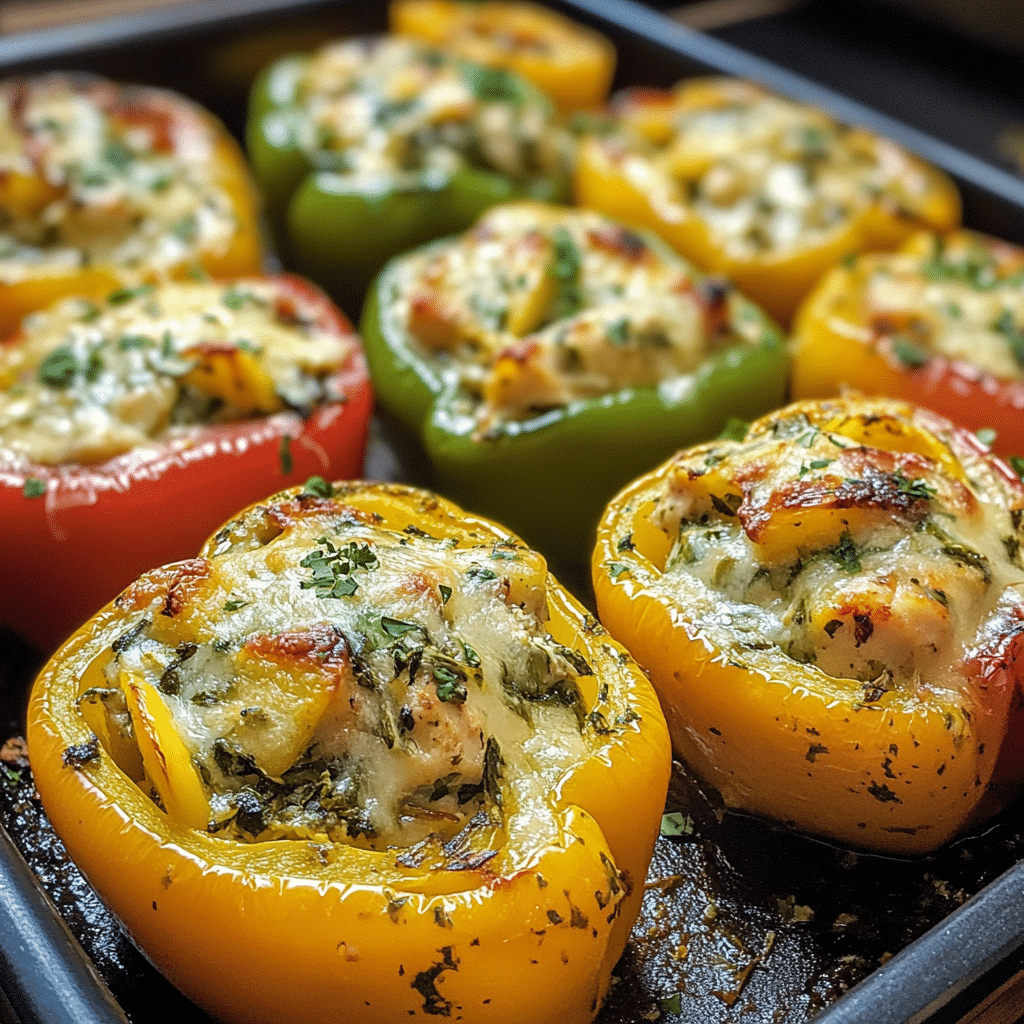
332, 679
765, 174
860, 538
85, 382
540, 306
91, 172
962, 298
394, 105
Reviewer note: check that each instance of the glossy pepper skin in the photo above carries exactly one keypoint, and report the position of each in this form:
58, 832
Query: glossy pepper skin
338, 227
77, 534
175, 126
642, 169
550, 475
963, 283
572, 64
287, 931
890, 764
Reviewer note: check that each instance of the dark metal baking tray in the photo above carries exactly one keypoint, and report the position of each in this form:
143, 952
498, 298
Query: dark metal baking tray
743, 920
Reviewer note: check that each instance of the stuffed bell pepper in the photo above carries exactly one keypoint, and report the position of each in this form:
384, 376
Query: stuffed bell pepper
570, 63
549, 355
369, 147
361, 759
105, 185
831, 610
132, 425
940, 323
768, 192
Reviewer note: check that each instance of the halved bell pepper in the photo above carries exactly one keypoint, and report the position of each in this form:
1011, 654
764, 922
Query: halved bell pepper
372, 146
831, 612
940, 323
572, 64
144, 491
575, 354
518, 913
107, 185
767, 192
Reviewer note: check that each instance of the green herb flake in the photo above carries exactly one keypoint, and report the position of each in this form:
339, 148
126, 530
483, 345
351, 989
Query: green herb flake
1017, 465
133, 341
845, 553
912, 488
910, 354
672, 1003
446, 593
332, 568
123, 295
735, 429
284, 454
472, 658
58, 369
449, 685
235, 297
234, 604
616, 569
396, 627
34, 487
676, 824
316, 487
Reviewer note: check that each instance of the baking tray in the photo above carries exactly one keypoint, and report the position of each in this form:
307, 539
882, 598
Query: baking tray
743, 920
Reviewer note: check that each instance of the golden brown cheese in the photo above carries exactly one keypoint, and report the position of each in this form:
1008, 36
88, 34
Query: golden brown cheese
394, 105
539, 306
319, 676
858, 544
86, 381
93, 174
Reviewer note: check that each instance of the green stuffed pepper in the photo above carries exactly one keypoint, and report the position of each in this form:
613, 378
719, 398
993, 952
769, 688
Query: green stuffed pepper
371, 146
550, 355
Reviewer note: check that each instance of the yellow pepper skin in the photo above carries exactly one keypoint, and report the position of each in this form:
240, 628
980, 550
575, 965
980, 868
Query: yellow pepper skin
572, 64
937, 323
292, 930
87, 255
724, 201
834, 533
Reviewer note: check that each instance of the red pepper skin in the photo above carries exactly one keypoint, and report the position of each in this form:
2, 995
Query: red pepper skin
98, 527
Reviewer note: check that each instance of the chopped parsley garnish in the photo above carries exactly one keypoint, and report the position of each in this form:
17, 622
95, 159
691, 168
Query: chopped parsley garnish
912, 488
284, 454
449, 685
129, 341
446, 593
236, 298
396, 627
676, 824
472, 658
34, 487
492, 85
616, 569
845, 553
58, 369
234, 604
1017, 464
1006, 325
735, 429
566, 270
909, 353
123, 295
317, 487
332, 568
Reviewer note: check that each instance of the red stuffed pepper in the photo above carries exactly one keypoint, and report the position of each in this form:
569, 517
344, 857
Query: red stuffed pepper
131, 426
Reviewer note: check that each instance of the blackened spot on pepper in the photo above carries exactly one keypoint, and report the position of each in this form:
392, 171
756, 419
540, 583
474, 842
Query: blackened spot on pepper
80, 753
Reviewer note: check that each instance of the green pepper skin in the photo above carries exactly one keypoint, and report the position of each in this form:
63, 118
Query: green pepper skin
549, 478
340, 231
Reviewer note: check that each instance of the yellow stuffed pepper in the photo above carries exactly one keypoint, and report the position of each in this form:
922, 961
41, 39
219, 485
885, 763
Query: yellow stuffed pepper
831, 612
572, 64
104, 186
941, 323
361, 759
768, 192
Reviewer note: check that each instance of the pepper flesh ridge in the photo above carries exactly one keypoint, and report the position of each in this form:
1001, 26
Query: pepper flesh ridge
901, 770
291, 930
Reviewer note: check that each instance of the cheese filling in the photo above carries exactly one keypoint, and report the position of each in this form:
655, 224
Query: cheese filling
854, 544
91, 173
768, 175
538, 306
86, 381
963, 300
395, 106
330, 679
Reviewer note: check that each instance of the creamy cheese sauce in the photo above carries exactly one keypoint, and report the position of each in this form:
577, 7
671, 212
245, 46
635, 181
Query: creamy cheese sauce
539, 306
95, 173
768, 175
86, 381
965, 301
878, 564
332, 679
380, 107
